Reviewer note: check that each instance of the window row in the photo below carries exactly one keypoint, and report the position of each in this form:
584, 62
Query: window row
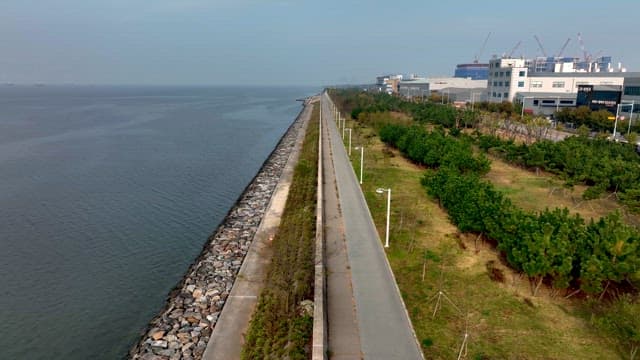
502, 74
499, 94
501, 83
632, 90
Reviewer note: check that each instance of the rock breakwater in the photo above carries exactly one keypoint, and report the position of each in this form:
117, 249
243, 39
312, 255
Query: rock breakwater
183, 327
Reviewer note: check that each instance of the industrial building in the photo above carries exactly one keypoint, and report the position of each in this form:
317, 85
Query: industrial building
473, 71
544, 92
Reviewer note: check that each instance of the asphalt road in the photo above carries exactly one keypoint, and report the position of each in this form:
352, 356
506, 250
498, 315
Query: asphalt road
385, 329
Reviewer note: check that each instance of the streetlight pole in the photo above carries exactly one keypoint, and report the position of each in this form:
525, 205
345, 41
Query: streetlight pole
615, 124
381, 191
343, 129
524, 100
361, 148
473, 98
349, 129
630, 116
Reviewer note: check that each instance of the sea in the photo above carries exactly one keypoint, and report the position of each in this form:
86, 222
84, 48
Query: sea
108, 194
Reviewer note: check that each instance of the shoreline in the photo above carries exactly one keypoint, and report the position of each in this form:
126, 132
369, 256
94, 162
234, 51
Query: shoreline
182, 328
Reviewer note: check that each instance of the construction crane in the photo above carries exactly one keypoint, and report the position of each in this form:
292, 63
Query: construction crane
540, 45
476, 58
514, 49
587, 58
559, 54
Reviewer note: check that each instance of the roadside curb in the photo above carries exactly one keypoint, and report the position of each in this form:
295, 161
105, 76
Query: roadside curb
319, 341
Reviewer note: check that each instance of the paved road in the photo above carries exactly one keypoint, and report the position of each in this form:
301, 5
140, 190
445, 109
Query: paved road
385, 329
342, 323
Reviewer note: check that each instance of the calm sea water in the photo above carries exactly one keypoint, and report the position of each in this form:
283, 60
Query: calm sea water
107, 194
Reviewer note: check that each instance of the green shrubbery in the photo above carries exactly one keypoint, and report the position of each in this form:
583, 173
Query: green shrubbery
552, 244
601, 164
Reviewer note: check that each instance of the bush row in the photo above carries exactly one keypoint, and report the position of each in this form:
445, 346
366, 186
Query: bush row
552, 244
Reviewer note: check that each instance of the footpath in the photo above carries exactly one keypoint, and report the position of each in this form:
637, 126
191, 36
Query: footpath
383, 324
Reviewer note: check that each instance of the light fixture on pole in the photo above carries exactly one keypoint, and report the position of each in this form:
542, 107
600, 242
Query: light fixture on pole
361, 148
630, 116
615, 124
381, 191
523, 103
473, 98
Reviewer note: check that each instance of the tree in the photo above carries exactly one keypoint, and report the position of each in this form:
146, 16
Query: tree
583, 131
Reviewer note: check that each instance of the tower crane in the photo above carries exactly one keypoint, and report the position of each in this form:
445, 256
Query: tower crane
587, 58
559, 54
476, 58
540, 45
514, 49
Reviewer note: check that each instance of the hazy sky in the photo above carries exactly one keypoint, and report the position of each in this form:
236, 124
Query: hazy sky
291, 42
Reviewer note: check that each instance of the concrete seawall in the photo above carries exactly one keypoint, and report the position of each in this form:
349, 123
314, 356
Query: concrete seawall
184, 326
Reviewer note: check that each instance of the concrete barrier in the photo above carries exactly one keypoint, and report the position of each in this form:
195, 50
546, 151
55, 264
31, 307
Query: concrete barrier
319, 351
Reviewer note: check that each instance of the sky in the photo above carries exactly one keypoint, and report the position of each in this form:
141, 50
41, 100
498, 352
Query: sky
282, 42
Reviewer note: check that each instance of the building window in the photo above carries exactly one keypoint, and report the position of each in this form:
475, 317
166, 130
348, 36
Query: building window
507, 84
494, 94
536, 84
558, 84
506, 94
548, 102
499, 94
520, 83
521, 73
495, 83
632, 90
536, 102
508, 73
566, 102
499, 83
501, 73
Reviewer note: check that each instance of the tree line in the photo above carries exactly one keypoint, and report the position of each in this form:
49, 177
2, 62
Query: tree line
551, 245
598, 163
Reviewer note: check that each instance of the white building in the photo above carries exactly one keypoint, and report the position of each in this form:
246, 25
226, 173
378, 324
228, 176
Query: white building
508, 77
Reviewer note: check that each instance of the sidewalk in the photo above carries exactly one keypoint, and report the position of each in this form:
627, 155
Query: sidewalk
386, 332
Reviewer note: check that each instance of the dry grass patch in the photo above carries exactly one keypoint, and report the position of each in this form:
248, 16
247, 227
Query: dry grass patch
537, 192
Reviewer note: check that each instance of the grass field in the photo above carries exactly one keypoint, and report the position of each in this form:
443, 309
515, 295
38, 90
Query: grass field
428, 255
536, 192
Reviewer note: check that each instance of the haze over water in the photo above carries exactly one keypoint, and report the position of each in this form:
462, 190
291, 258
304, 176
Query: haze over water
107, 194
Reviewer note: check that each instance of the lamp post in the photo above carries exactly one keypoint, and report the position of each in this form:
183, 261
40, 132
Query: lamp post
343, 129
448, 91
630, 116
361, 148
473, 98
523, 101
349, 129
381, 191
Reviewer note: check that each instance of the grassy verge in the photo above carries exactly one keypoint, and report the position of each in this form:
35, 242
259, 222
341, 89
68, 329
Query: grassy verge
429, 255
280, 327
535, 192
